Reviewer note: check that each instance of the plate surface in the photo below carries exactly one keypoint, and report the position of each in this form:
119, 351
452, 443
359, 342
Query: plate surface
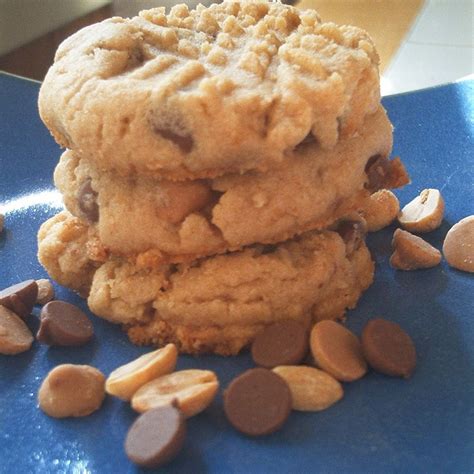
425, 424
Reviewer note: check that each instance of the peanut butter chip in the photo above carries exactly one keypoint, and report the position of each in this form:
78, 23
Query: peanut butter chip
63, 324
337, 351
20, 298
388, 348
257, 402
411, 252
311, 389
458, 246
15, 337
282, 343
156, 437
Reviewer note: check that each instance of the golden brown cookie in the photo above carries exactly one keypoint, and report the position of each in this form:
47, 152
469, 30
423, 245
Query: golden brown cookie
180, 221
218, 304
197, 94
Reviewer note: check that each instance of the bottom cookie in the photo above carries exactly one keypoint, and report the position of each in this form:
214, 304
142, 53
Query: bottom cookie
215, 304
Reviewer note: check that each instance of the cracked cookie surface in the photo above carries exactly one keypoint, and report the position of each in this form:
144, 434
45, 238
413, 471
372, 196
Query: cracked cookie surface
178, 221
196, 94
216, 304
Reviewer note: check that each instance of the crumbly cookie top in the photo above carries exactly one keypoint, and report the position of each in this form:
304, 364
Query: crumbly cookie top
201, 92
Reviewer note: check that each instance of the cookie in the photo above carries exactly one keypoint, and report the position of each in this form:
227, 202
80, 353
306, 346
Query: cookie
195, 94
180, 221
217, 304
67, 248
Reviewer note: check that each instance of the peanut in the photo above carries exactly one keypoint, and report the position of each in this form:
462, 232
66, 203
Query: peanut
45, 291
311, 389
381, 210
192, 390
71, 390
424, 213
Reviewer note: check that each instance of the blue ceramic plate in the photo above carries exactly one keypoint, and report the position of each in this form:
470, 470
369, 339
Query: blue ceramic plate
424, 424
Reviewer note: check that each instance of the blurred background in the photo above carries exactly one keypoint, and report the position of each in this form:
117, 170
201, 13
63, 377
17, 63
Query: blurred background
421, 42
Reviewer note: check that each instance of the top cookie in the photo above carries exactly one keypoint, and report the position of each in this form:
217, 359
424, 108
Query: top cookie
205, 92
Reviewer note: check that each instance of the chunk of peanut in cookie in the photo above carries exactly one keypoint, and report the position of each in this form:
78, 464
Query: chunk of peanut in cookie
124, 381
411, 252
380, 210
193, 390
424, 213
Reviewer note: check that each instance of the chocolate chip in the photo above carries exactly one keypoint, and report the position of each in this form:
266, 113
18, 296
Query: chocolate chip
388, 348
156, 437
136, 58
63, 324
257, 402
282, 343
184, 142
20, 298
87, 199
353, 233
377, 170
269, 248
308, 140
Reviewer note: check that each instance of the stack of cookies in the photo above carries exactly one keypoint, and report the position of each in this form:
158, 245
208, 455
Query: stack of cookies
216, 163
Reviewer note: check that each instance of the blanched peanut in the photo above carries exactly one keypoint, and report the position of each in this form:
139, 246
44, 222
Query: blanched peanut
124, 381
424, 213
311, 389
412, 252
381, 210
192, 390
72, 390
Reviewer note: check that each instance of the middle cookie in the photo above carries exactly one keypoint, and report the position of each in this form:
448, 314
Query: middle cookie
165, 221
